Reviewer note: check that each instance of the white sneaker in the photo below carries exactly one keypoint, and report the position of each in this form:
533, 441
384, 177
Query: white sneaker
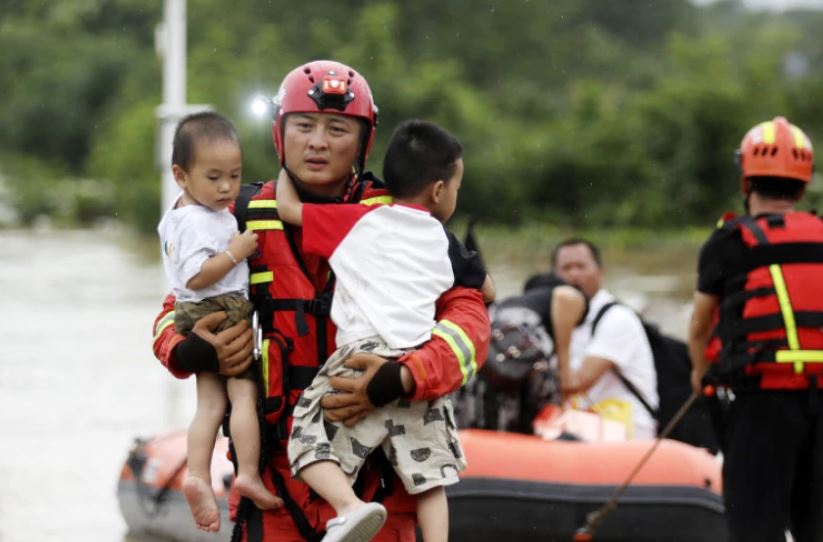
359, 525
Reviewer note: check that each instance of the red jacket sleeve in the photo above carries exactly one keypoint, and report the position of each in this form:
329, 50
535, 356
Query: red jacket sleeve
457, 349
166, 338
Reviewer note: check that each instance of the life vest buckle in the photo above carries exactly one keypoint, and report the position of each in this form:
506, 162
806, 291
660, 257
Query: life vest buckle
257, 341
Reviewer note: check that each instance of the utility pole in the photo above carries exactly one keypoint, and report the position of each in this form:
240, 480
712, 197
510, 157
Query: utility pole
170, 43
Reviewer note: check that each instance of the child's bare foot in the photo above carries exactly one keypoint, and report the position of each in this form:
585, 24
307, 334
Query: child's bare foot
253, 488
202, 504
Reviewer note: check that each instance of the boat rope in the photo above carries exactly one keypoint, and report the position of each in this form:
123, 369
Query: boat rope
595, 518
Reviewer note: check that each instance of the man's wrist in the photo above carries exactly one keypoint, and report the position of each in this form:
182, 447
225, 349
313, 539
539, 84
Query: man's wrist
195, 355
386, 385
407, 380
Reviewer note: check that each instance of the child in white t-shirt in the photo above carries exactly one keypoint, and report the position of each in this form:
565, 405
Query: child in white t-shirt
204, 260
391, 263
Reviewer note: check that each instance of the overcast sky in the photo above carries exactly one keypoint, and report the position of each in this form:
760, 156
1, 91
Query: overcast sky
776, 4
783, 4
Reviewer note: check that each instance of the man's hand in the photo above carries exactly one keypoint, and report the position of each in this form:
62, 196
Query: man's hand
569, 384
352, 403
233, 345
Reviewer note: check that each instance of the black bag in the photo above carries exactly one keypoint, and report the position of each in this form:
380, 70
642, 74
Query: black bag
513, 351
673, 366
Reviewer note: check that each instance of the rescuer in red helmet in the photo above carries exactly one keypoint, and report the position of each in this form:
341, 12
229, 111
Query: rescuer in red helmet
323, 128
763, 274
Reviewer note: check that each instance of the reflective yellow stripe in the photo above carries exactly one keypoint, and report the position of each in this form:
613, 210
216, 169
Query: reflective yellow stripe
264, 225
787, 312
799, 138
385, 200
460, 344
261, 277
801, 356
768, 132
264, 366
263, 204
785, 306
165, 322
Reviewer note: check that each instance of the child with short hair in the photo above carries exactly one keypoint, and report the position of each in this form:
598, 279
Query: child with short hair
391, 263
204, 258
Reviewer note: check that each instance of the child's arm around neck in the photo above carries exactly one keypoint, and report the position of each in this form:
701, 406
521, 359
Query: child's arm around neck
289, 206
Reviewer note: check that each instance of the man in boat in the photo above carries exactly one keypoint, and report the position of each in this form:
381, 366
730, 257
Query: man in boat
761, 273
611, 369
323, 130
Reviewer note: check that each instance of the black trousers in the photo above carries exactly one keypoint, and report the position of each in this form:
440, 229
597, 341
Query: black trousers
773, 466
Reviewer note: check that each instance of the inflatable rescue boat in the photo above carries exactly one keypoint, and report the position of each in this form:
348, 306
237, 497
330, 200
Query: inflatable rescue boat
516, 488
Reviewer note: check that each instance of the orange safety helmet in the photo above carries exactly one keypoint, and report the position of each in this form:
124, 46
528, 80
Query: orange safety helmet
324, 86
776, 148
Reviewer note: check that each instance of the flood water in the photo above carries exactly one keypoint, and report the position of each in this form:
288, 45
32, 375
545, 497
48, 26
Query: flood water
78, 380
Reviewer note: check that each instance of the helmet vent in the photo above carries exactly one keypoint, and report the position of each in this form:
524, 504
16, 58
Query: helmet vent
774, 151
307, 71
802, 154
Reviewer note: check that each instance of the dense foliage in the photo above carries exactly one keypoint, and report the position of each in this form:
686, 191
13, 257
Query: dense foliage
575, 112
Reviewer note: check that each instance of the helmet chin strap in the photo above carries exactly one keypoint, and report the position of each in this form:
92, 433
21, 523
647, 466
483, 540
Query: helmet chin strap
304, 190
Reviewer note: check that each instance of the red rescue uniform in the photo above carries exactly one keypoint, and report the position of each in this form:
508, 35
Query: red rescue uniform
292, 292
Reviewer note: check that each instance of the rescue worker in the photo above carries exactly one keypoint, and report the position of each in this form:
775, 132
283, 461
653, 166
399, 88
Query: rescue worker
323, 130
762, 273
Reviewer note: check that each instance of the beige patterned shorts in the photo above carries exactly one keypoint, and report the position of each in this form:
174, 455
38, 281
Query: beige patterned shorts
418, 437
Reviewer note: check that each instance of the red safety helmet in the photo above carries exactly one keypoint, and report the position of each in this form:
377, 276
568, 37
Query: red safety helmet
776, 148
324, 86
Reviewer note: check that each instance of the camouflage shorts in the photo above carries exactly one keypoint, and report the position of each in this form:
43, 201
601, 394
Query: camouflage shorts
186, 313
418, 437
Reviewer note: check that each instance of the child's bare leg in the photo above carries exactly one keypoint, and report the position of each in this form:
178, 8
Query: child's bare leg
245, 433
211, 406
329, 481
433, 515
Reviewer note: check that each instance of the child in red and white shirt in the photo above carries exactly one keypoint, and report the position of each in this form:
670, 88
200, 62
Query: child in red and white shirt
391, 263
